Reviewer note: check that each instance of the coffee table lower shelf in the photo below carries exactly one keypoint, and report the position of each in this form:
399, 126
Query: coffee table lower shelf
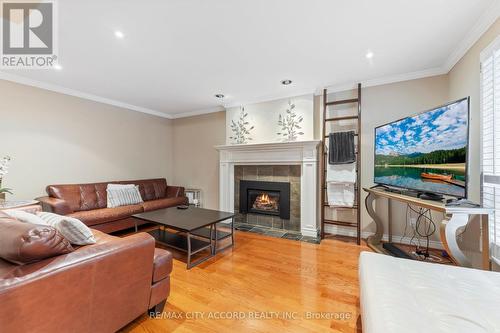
183, 242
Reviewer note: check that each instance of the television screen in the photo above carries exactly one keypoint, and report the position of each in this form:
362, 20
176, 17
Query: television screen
426, 152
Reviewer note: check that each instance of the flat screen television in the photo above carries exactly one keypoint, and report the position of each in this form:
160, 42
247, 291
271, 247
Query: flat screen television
426, 153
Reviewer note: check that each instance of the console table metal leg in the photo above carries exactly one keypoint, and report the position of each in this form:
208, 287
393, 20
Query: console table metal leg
232, 231
210, 248
214, 235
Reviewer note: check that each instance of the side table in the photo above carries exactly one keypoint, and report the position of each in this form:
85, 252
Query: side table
30, 206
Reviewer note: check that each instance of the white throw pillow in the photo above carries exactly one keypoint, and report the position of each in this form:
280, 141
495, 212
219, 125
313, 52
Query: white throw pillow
121, 186
123, 195
26, 217
74, 230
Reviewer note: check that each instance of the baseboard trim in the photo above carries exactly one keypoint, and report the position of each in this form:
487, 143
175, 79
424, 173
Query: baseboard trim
349, 232
309, 232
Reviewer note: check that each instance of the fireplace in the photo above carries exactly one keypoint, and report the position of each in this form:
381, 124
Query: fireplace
267, 198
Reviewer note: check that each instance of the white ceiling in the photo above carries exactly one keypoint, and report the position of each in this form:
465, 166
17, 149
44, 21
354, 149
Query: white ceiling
177, 54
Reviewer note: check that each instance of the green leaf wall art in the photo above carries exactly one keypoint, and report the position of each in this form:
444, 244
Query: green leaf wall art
241, 128
290, 124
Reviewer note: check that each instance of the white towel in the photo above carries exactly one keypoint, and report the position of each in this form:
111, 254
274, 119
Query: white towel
340, 195
341, 173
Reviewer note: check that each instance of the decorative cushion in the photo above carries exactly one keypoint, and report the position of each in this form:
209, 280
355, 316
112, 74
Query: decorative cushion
24, 243
74, 230
123, 195
23, 216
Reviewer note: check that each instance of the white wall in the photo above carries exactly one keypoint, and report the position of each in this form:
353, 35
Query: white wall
55, 138
380, 105
264, 117
196, 162
464, 80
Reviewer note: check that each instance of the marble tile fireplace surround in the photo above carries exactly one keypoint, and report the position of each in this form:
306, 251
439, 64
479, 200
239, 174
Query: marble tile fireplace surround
292, 165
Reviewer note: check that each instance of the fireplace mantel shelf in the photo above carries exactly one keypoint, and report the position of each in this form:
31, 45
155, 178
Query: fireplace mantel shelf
270, 145
303, 153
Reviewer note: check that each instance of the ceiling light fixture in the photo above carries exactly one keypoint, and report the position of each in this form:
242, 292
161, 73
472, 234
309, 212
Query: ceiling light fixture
369, 55
57, 67
219, 96
286, 82
119, 34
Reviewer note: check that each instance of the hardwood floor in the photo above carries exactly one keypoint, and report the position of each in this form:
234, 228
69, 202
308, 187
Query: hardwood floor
277, 281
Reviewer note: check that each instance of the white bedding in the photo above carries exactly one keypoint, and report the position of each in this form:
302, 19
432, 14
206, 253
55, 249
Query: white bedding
401, 295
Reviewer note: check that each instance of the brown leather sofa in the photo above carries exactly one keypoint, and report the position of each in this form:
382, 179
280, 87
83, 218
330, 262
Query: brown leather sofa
96, 288
88, 202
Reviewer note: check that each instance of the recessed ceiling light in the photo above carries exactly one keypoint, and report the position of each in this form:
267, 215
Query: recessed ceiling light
119, 34
58, 67
369, 55
220, 96
286, 82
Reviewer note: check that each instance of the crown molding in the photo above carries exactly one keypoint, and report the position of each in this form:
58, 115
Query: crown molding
482, 25
196, 112
385, 80
80, 94
272, 97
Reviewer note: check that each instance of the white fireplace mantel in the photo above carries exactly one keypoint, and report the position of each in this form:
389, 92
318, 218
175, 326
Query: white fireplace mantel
304, 153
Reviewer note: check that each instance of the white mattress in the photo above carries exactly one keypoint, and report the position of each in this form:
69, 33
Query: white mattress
401, 295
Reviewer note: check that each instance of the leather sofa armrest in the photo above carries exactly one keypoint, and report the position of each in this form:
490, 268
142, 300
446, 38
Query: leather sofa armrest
54, 205
162, 264
110, 279
175, 191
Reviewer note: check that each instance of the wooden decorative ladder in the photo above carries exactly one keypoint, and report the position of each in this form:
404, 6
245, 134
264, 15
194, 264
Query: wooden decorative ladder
324, 156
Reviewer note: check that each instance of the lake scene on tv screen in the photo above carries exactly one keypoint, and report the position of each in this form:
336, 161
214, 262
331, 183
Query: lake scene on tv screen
426, 152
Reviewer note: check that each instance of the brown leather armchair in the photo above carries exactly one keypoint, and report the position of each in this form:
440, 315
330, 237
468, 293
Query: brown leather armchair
88, 202
96, 288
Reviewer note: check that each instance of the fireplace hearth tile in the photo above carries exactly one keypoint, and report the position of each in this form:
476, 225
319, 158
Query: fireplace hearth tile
278, 223
292, 236
286, 234
244, 227
238, 172
259, 230
275, 233
295, 191
253, 219
249, 172
281, 173
266, 221
240, 218
265, 173
295, 210
293, 224
295, 171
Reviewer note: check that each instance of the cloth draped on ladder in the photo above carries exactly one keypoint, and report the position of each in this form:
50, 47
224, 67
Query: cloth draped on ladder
341, 170
341, 149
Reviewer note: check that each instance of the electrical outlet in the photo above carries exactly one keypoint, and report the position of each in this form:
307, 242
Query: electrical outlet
413, 222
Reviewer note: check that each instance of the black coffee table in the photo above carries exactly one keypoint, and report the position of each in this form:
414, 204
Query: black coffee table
198, 222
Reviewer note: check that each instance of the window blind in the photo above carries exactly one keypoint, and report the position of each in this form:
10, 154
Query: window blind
490, 140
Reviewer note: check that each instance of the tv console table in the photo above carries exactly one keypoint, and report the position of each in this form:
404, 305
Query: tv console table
455, 218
